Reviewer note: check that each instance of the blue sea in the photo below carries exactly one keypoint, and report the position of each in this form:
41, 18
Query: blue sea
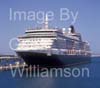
93, 81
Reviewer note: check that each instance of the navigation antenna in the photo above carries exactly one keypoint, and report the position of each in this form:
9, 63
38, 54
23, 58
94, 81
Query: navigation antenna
46, 22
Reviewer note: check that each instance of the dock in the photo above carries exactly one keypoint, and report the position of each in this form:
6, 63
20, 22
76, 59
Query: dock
10, 61
95, 55
10, 66
8, 57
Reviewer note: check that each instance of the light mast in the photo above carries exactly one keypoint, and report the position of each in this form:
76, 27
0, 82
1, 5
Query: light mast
46, 22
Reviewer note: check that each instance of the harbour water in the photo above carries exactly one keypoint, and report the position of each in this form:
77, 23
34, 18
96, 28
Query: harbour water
93, 81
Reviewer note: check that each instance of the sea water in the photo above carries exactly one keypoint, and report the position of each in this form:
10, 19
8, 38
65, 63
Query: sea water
91, 81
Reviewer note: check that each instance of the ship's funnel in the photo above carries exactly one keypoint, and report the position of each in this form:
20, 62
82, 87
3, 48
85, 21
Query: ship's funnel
71, 29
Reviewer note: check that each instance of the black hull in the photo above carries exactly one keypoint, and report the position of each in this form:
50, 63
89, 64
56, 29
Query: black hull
32, 58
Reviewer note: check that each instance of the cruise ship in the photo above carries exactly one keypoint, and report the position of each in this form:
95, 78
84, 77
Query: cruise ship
53, 46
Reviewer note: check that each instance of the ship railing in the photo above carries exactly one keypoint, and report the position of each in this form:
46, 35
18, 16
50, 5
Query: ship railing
77, 52
69, 52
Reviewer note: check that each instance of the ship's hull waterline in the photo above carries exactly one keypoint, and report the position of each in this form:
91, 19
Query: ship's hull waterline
42, 59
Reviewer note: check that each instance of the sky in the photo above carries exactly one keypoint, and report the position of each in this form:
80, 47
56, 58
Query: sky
87, 19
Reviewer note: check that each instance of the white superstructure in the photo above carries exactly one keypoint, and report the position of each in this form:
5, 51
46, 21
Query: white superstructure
53, 41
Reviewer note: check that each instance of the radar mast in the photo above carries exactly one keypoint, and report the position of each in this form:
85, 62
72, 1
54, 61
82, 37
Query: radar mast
46, 22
